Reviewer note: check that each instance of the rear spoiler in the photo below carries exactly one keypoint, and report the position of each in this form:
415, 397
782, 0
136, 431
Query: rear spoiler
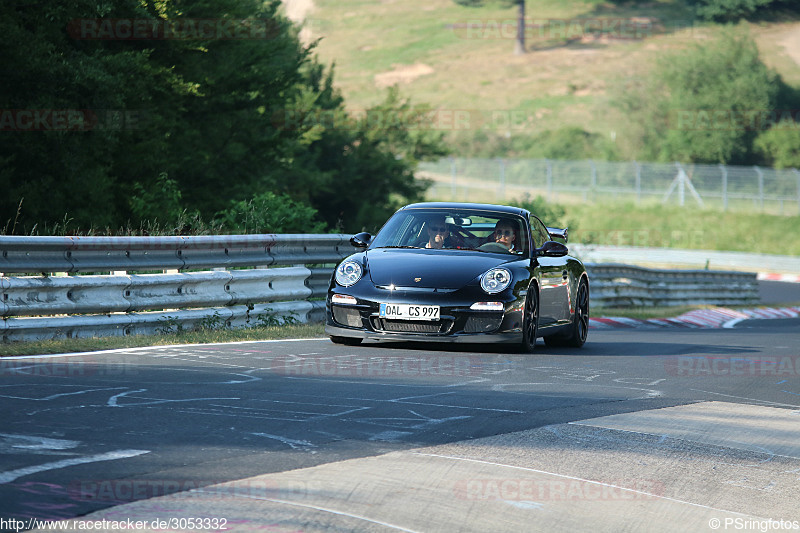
558, 233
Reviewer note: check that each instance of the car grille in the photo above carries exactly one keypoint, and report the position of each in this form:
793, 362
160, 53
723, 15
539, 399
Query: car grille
347, 316
482, 324
410, 326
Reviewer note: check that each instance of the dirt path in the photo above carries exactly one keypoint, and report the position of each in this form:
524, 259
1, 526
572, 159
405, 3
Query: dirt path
298, 11
791, 42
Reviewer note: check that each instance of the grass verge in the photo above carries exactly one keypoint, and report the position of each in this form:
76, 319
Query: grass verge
206, 336
663, 226
644, 313
293, 331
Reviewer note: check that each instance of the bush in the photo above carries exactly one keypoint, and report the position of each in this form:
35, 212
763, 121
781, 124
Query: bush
674, 113
571, 143
780, 145
734, 10
565, 143
728, 10
270, 213
553, 215
159, 203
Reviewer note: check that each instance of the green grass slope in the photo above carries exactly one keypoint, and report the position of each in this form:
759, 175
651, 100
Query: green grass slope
459, 58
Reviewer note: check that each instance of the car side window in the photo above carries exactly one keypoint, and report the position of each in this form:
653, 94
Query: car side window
539, 231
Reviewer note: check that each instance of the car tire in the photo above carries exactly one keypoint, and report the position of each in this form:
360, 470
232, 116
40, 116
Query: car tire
530, 322
348, 341
580, 323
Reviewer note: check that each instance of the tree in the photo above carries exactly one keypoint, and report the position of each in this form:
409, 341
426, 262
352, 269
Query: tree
193, 107
357, 170
697, 104
734, 10
53, 155
192, 123
780, 145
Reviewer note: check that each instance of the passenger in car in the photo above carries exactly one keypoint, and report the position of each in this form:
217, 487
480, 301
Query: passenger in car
505, 234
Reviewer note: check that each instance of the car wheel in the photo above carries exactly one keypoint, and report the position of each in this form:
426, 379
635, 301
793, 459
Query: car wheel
530, 324
580, 324
349, 341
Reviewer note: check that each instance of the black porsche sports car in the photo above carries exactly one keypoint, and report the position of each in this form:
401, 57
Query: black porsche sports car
462, 273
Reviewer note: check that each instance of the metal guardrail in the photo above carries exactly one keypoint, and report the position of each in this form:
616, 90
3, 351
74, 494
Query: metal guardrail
614, 285
130, 301
96, 254
125, 303
697, 259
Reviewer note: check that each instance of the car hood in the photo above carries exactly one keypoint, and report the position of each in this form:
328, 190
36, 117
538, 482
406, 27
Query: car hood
434, 268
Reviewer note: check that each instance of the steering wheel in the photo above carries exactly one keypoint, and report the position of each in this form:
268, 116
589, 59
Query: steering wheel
494, 247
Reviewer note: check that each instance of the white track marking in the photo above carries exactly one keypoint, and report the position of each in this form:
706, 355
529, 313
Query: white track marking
53, 396
145, 348
582, 480
32, 442
11, 475
746, 398
295, 444
317, 508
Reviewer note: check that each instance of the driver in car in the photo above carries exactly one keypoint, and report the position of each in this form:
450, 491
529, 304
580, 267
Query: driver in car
505, 234
438, 233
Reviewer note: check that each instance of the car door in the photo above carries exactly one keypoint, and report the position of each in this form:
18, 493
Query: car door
554, 290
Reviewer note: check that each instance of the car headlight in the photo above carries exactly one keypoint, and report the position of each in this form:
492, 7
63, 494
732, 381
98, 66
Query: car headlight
496, 280
348, 273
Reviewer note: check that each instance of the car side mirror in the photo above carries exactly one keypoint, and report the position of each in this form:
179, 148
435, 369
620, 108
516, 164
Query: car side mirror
558, 234
361, 240
552, 249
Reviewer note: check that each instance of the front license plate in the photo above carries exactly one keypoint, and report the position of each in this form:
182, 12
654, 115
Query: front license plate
409, 312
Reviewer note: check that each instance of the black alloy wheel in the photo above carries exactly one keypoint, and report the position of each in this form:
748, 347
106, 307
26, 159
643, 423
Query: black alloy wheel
530, 324
580, 322
580, 325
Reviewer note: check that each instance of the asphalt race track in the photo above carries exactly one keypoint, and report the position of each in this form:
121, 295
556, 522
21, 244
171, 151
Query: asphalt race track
638, 429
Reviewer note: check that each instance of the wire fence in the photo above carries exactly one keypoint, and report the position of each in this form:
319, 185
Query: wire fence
723, 187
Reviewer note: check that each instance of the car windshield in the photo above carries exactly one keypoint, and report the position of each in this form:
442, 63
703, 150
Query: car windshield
485, 231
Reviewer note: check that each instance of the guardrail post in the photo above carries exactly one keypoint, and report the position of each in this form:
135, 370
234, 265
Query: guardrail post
638, 168
760, 188
452, 178
549, 178
502, 178
797, 173
724, 171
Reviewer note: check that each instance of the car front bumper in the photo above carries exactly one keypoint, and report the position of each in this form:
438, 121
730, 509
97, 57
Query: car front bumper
458, 323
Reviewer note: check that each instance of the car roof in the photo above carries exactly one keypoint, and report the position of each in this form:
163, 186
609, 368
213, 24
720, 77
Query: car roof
506, 209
